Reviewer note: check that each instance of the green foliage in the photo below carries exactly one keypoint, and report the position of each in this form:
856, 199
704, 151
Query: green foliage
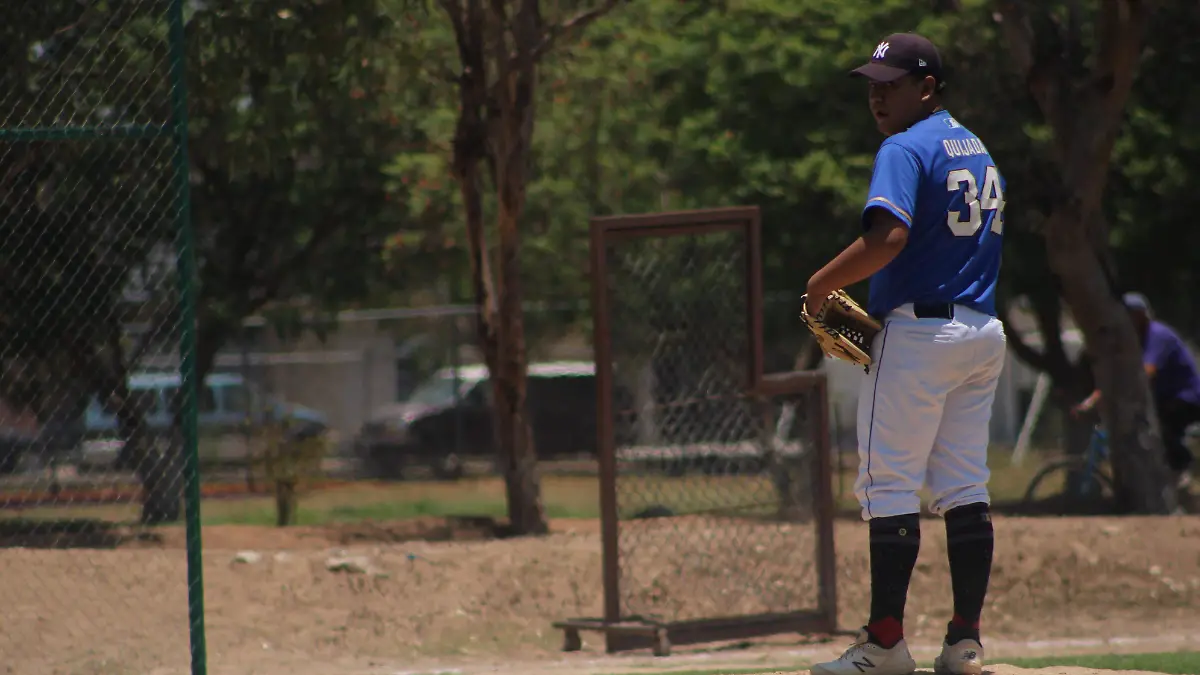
77, 64
1150, 199
289, 146
682, 105
750, 104
292, 128
80, 216
322, 132
425, 253
288, 463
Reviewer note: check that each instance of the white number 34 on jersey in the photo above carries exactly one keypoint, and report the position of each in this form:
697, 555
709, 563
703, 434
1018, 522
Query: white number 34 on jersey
992, 199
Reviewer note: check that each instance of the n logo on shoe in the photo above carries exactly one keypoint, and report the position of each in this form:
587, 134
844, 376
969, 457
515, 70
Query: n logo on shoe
863, 665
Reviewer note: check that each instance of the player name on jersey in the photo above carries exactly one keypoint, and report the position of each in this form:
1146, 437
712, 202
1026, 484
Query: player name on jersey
963, 147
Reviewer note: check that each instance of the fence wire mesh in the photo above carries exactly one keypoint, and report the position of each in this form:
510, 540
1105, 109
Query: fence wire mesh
92, 451
713, 484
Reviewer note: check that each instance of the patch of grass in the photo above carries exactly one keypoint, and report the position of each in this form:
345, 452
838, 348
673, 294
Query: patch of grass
1172, 663
564, 496
264, 514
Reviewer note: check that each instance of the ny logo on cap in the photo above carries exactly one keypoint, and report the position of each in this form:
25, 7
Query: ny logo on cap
881, 50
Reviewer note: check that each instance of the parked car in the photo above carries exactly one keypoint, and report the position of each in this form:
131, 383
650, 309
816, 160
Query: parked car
448, 418
225, 403
91, 438
13, 444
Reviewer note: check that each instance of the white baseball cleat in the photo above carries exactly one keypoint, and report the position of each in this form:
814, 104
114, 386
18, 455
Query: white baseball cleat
867, 658
962, 658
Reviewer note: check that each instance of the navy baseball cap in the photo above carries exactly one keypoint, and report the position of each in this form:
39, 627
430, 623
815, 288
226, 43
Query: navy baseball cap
1136, 301
900, 54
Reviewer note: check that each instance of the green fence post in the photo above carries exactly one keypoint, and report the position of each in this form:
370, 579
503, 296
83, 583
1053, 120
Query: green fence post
186, 270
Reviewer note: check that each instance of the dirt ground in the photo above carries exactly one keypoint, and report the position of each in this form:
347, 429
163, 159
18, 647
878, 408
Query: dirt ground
430, 596
1013, 670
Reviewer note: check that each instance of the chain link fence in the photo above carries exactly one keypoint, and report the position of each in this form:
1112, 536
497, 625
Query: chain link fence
716, 488
96, 260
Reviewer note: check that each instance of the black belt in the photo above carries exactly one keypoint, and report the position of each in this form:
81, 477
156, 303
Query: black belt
933, 310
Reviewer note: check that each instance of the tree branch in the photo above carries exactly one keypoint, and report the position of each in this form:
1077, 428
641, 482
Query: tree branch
217, 179
1119, 33
503, 63
454, 12
1074, 34
498, 8
160, 322
1096, 111
1041, 69
577, 22
1036, 360
273, 281
1018, 31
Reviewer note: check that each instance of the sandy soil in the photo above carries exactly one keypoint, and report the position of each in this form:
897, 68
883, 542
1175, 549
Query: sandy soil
398, 598
1002, 669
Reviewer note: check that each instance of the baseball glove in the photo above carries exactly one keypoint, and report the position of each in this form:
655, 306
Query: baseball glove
842, 328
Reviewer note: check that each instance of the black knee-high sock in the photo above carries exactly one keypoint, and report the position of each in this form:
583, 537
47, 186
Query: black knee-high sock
969, 542
895, 543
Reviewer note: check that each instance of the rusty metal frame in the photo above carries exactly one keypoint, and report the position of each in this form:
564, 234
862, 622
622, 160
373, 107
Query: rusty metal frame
629, 633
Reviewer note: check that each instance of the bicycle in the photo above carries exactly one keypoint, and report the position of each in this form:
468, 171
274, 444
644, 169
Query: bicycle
1086, 483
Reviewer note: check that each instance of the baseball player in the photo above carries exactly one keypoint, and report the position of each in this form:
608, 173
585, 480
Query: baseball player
1175, 381
932, 233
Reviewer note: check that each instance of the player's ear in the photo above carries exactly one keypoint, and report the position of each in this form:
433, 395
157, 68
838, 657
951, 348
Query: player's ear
928, 87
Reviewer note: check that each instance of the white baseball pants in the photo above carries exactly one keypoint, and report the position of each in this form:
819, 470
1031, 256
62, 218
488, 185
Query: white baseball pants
924, 410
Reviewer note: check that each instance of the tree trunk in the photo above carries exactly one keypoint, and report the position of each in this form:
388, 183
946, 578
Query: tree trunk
495, 125
1139, 470
500, 330
516, 450
1085, 106
511, 134
515, 443
646, 424
160, 460
154, 458
285, 503
161, 471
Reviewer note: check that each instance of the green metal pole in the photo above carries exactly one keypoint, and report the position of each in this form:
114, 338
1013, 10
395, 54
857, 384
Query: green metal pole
186, 269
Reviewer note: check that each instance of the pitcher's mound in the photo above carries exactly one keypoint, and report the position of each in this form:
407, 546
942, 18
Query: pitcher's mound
1002, 669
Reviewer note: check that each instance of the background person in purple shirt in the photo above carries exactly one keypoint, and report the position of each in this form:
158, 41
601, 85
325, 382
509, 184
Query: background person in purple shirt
1174, 381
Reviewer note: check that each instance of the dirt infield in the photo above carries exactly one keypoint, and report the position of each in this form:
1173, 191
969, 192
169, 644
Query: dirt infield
375, 599
1002, 669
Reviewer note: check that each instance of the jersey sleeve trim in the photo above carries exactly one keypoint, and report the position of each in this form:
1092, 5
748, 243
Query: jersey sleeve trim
895, 183
899, 212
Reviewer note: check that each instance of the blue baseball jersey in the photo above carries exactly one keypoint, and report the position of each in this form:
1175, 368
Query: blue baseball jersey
938, 178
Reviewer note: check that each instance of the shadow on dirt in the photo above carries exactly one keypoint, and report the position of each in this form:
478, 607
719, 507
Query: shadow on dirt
71, 533
450, 528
